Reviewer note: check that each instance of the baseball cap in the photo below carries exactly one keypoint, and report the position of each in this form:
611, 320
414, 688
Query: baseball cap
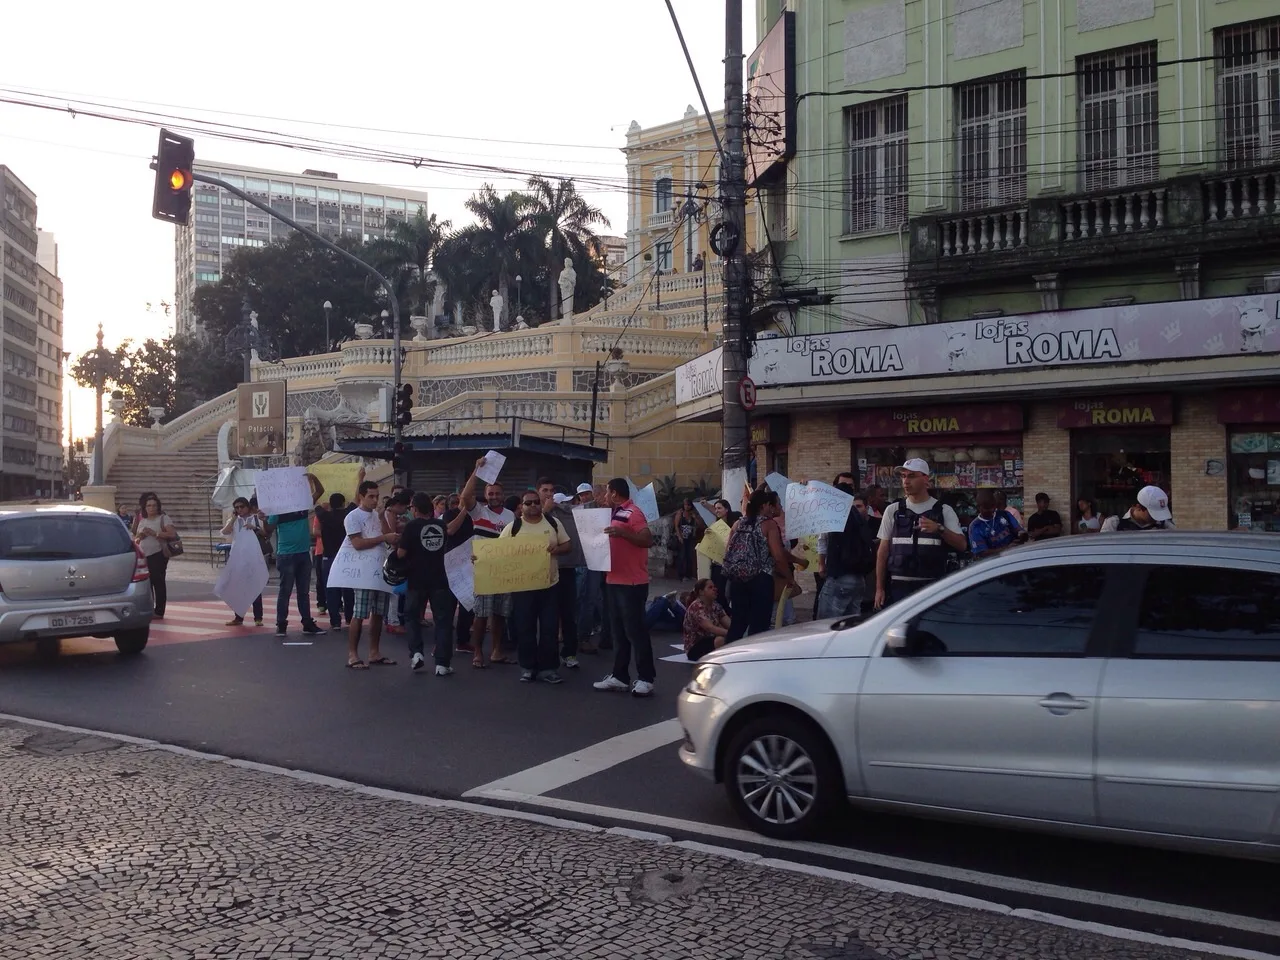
562, 498
585, 488
916, 465
1156, 502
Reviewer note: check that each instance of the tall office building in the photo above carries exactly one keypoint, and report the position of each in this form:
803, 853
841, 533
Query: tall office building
30, 351
220, 223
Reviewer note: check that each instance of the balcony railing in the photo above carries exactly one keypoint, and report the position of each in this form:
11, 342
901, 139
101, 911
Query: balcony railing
982, 232
1128, 211
1238, 196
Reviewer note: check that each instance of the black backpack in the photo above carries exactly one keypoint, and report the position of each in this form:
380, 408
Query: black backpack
515, 527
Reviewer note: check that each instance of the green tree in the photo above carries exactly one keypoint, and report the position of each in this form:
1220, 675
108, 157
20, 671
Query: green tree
562, 222
145, 376
487, 254
406, 258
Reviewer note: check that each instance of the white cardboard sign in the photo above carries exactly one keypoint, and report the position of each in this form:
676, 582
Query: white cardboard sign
708, 518
492, 466
646, 498
591, 522
245, 576
462, 580
283, 490
816, 508
359, 569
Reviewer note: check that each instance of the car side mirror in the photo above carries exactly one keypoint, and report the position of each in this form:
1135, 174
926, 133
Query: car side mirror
897, 640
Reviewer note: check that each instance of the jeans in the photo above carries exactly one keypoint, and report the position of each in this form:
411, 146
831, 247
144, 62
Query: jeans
462, 632
322, 581
752, 607
443, 605
534, 619
901, 589
590, 601
722, 587
624, 604
157, 564
338, 601
686, 561
662, 614
842, 596
566, 591
295, 568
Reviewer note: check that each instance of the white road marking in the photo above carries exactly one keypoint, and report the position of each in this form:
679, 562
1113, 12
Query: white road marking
587, 762
874, 883
867, 858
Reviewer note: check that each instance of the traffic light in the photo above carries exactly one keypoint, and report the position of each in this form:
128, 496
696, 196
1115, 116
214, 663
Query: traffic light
397, 457
174, 160
404, 404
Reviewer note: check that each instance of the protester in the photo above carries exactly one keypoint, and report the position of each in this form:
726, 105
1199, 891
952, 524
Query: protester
915, 534
723, 511
151, 532
465, 618
243, 518
755, 553
364, 529
491, 612
317, 557
850, 558
667, 611
685, 526
1149, 512
536, 613
293, 562
627, 586
555, 509
590, 613
705, 625
339, 601
394, 518
425, 541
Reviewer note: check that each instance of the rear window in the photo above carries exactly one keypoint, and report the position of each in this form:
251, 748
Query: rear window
52, 537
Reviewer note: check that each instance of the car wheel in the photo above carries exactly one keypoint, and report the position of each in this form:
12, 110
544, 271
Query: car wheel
781, 776
132, 641
48, 648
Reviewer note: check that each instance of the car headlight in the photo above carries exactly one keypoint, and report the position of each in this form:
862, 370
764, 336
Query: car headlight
705, 676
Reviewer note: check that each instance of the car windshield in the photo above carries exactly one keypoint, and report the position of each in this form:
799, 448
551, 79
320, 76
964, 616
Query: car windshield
62, 538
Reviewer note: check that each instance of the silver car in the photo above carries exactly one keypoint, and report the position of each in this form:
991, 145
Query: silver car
69, 570
1124, 686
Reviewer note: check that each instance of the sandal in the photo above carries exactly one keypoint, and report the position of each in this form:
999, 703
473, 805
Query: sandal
502, 659
477, 662
382, 662
357, 665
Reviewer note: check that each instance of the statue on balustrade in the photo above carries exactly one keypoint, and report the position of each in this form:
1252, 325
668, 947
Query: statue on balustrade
568, 281
495, 304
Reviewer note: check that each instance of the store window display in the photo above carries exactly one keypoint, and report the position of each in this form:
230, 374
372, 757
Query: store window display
959, 473
1110, 468
1253, 476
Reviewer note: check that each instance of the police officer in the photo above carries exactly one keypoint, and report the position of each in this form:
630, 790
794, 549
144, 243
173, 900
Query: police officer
915, 535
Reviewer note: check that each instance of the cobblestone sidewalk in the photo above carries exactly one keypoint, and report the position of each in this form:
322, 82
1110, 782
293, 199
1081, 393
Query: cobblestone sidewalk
112, 850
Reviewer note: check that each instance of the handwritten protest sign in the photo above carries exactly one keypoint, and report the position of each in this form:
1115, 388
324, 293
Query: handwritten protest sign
778, 483
591, 522
511, 565
340, 478
734, 483
245, 576
646, 498
458, 568
359, 569
283, 490
816, 508
714, 541
492, 466
708, 518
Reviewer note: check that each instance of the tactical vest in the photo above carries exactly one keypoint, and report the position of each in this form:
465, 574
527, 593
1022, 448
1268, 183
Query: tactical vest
914, 554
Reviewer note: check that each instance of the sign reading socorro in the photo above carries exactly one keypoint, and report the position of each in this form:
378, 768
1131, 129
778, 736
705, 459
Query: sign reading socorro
1139, 333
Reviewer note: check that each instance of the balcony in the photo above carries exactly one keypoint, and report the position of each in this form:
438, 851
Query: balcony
1180, 217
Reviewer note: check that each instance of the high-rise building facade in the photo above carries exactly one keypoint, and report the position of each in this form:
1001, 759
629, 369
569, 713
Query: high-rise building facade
49, 370
220, 224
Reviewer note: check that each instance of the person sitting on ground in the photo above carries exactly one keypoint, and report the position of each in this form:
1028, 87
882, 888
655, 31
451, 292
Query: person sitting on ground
667, 611
705, 623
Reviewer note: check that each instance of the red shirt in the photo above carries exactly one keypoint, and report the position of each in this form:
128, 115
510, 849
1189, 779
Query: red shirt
629, 564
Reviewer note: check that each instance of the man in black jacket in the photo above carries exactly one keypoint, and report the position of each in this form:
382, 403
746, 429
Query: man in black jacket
332, 533
850, 557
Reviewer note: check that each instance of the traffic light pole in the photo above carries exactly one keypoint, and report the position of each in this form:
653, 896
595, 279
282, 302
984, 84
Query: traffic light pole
733, 193
397, 431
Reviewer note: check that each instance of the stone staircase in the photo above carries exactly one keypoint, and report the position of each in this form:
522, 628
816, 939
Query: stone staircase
183, 480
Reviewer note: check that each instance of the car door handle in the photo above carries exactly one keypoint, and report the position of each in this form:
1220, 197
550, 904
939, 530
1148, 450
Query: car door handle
1063, 701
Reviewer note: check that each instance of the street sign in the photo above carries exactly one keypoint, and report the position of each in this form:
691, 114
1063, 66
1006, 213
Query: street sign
260, 419
747, 394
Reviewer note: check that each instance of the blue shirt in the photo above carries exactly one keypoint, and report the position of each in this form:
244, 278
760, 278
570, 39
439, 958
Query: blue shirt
292, 536
1000, 531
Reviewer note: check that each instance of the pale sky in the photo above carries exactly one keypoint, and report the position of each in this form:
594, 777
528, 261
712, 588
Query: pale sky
453, 77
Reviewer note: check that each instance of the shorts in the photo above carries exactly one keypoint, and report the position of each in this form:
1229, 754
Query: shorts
370, 603
497, 605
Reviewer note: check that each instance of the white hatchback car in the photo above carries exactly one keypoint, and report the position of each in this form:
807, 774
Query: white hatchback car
1124, 686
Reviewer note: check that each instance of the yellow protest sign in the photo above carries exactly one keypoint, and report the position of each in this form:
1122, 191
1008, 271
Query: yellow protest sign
511, 565
340, 478
714, 540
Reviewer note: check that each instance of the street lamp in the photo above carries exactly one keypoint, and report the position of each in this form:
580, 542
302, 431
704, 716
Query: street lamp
386, 327
519, 298
328, 343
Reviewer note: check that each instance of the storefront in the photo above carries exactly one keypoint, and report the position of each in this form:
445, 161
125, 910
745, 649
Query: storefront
1119, 445
770, 437
1252, 419
969, 446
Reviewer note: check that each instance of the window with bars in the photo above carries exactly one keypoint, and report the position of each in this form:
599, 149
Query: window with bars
877, 187
1118, 118
991, 141
1249, 93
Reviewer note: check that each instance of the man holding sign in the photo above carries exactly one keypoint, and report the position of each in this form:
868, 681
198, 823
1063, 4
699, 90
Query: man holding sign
364, 533
627, 588
536, 613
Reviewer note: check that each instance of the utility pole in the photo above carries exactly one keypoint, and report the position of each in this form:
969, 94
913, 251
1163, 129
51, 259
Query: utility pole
733, 194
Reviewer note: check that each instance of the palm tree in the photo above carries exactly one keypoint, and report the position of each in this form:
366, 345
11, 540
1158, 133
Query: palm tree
408, 255
562, 222
492, 245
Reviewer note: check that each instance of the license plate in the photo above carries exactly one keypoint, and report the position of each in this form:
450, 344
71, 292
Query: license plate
72, 620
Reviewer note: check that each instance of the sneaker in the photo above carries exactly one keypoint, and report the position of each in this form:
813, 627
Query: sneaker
550, 676
570, 662
257, 622
416, 662
235, 622
611, 684
642, 688
526, 676
313, 629
281, 630
443, 671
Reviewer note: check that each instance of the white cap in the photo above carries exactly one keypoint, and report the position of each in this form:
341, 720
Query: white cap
1156, 502
916, 465
562, 498
586, 488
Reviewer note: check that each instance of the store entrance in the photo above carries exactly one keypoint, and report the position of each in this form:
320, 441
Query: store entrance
1111, 467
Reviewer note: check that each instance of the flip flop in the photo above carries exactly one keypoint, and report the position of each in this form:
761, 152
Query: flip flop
357, 665
503, 659
479, 664
382, 662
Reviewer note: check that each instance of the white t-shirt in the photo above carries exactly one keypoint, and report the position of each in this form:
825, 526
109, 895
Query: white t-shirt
362, 523
490, 523
949, 519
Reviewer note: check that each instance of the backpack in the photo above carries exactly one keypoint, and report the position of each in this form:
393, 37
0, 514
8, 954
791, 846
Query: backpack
515, 527
747, 553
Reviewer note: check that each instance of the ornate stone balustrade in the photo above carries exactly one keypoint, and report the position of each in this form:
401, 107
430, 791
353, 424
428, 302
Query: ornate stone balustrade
486, 349
170, 437
322, 367
649, 398
636, 345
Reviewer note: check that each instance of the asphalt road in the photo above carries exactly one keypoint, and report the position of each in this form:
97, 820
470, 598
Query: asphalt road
296, 706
